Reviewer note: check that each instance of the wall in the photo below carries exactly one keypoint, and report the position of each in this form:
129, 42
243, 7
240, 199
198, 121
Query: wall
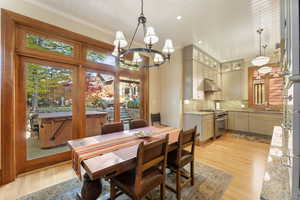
154, 91
171, 90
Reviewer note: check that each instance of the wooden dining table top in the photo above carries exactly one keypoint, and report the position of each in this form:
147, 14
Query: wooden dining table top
123, 159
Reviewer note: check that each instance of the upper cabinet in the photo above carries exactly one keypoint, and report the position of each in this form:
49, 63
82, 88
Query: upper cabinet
233, 80
198, 66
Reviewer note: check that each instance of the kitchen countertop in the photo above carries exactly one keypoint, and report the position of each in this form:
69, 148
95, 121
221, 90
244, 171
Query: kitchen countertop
276, 183
255, 111
237, 110
199, 113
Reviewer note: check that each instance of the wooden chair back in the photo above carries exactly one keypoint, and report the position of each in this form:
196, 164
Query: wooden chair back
151, 155
155, 118
185, 139
112, 127
138, 123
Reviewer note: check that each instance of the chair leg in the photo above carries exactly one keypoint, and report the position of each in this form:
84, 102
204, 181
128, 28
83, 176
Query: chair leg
192, 173
162, 191
112, 191
178, 184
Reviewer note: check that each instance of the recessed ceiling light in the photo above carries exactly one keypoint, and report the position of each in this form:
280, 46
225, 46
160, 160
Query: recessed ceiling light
179, 17
200, 42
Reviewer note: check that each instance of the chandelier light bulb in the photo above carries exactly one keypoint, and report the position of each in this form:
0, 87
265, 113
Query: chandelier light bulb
120, 40
115, 52
158, 58
265, 70
136, 58
260, 61
150, 37
168, 47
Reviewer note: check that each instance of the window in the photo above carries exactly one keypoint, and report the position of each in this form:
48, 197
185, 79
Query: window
44, 44
99, 94
48, 110
134, 67
130, 100
98, 57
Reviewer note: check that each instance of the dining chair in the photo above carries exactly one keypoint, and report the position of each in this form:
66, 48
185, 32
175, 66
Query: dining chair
137, 123
149, 173
155, 118
180, 157
112, 127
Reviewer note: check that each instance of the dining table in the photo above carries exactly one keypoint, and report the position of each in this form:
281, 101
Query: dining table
111, 154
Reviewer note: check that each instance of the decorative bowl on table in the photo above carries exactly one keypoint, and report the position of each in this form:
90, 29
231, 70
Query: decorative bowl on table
143, 134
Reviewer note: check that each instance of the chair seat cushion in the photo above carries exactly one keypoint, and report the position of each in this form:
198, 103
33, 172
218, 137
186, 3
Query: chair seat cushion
126, 181
186, 157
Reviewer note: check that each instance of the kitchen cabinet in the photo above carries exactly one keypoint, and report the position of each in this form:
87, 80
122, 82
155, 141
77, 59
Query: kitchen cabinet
234, 79
204, 123
242, 121
197, 66
264, 123
207, 128
238, 121
254, 122
232, 85
231, 121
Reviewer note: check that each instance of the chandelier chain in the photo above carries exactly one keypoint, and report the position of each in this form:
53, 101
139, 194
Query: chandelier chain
136, 29
142, 7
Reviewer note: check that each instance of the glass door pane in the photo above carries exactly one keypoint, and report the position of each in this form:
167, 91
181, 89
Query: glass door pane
48, 109
130, 99
99, 101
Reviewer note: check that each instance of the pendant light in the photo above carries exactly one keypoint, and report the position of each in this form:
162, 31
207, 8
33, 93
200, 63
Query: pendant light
264, 69
150, 38
260, 60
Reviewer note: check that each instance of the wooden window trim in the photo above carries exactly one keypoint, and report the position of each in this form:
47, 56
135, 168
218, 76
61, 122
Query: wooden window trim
22, 31
22, 164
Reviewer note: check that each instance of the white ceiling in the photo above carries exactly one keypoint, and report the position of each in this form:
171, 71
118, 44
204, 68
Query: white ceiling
226, 27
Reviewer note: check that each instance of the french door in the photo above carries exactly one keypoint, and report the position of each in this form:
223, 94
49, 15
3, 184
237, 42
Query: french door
100, 100
46, 109
130, 93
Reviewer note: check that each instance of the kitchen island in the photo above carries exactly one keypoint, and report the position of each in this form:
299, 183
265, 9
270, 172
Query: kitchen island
276, 183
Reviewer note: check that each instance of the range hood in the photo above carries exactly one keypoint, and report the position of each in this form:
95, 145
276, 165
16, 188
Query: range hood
211, 86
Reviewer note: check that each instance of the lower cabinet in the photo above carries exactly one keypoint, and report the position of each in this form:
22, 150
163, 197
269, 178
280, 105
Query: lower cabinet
264, 123
238, 121
261, 123
242, 121
207, 128
204, 123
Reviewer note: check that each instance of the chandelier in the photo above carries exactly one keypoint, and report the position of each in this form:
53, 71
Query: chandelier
260, 60
150, 38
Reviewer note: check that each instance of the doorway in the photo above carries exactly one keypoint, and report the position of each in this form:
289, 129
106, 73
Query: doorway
45, 93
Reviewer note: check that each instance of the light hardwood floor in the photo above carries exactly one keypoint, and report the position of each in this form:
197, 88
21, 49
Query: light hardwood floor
244, 160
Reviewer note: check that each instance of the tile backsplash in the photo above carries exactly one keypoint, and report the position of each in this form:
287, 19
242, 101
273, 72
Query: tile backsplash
234, 104
196, 105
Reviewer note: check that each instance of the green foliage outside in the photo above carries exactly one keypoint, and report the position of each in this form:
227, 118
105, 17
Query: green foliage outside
41, 81
40, 43
95, 56
133, 104
134, 67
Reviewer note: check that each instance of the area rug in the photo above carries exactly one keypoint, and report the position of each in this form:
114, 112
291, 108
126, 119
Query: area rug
210, 184
251, 137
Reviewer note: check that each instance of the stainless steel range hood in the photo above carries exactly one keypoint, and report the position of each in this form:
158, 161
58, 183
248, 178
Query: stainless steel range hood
211, 86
